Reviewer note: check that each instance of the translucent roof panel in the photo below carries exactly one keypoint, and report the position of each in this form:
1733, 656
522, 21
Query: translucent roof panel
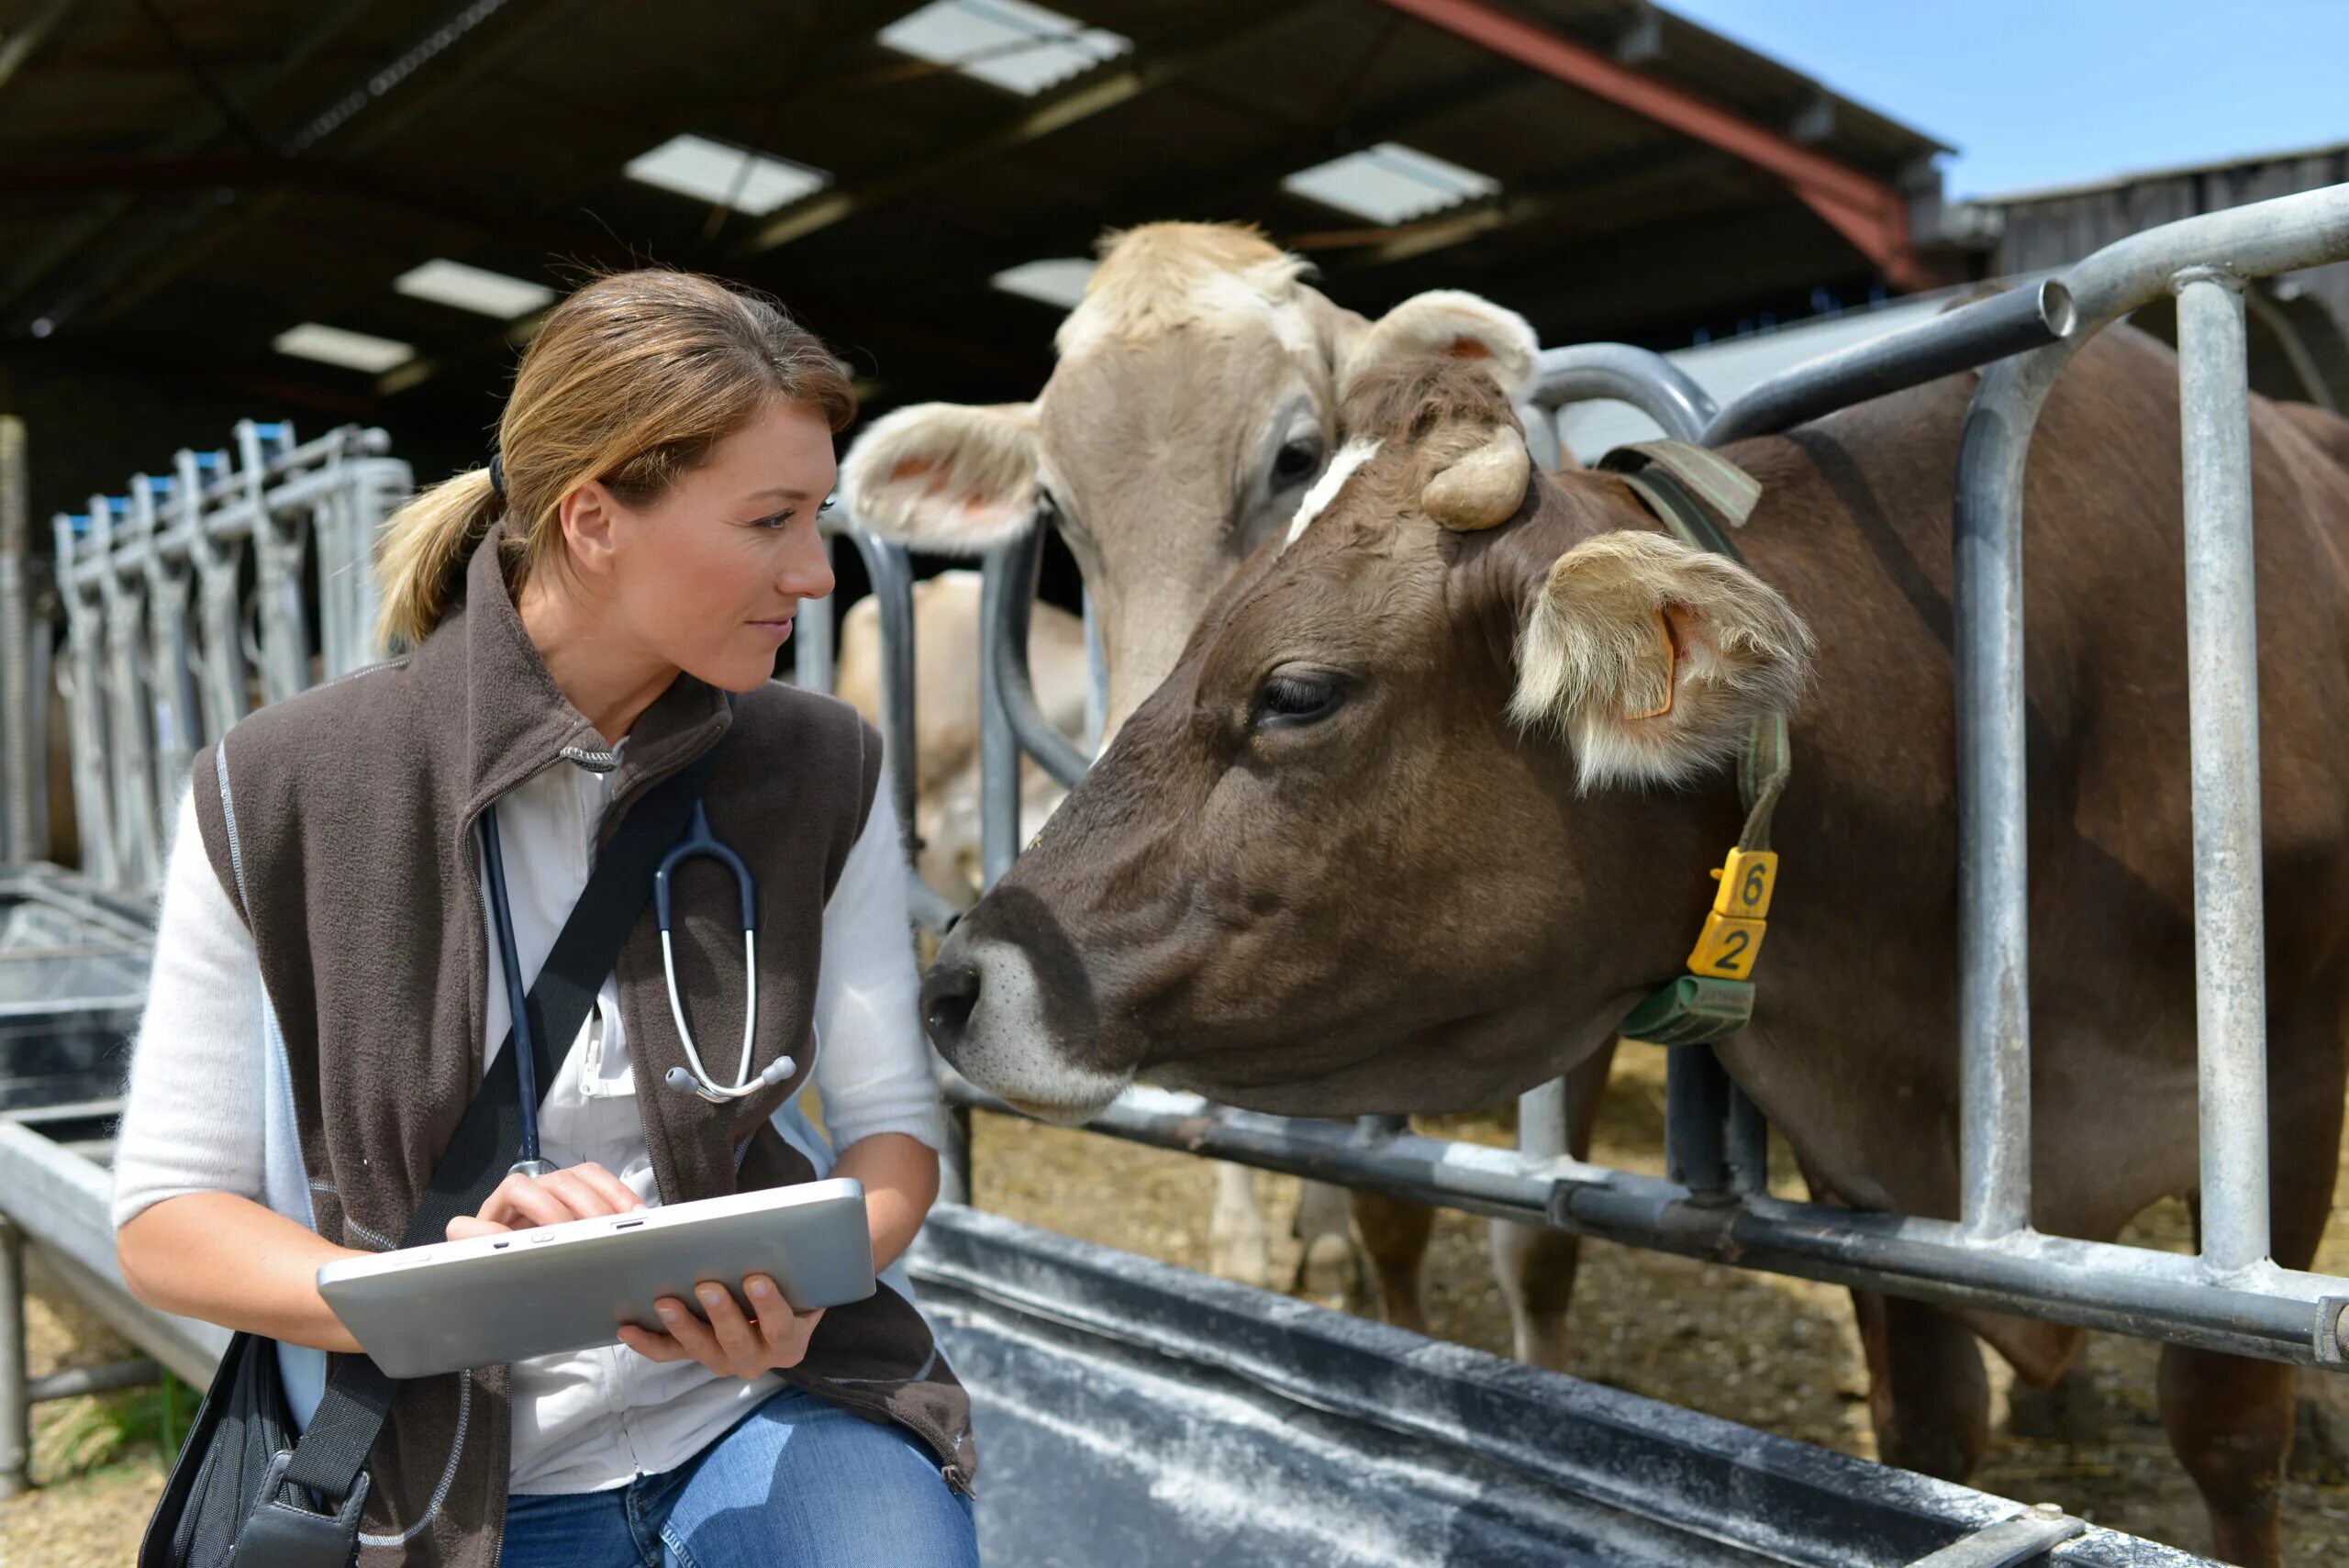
473, 288
1057, 280
1390, 183
335, 346
754, 183
1022, 47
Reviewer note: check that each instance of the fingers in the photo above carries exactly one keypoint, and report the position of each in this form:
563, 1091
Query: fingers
782, 1332
579, 1192
736, 1341
464, 1228
621, 1198
653, 1346
689, 1335
722, 1338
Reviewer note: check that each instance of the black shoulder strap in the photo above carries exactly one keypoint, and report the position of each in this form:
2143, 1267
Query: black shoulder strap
333, 1448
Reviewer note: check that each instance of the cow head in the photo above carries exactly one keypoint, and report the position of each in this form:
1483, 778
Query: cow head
1196, 399
1423, 809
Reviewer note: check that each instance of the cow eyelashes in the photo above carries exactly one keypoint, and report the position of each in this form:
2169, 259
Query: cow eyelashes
1293, 701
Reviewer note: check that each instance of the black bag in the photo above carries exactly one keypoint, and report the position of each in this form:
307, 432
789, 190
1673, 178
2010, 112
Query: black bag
244, 1488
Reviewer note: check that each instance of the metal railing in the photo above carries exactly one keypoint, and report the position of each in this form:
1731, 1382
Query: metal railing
2233, 1297
156, 584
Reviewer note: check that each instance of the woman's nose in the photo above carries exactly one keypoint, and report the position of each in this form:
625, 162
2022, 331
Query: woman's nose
808, 566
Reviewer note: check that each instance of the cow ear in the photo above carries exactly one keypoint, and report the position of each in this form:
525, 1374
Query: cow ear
1449, 324
956, 478
1655, 659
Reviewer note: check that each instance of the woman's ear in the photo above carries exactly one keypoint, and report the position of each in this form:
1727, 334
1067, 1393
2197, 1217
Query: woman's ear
588, 515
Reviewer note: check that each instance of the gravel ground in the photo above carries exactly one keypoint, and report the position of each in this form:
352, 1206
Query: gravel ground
1776, 1354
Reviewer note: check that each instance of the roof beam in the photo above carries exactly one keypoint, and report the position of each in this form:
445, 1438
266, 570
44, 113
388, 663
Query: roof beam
20, 45
482, 54
46, 260
1867, 212
1094, 93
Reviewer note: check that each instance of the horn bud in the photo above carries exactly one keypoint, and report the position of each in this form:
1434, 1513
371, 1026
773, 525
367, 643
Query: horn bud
1483, 489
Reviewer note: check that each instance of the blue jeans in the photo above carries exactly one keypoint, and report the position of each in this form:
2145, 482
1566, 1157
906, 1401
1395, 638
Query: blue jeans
796, 1484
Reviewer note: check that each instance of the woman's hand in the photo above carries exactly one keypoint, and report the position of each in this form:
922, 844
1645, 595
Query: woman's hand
729, 1343
578, 1192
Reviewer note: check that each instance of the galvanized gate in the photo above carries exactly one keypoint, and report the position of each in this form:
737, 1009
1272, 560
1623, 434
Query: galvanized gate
186, 604
2232, 1297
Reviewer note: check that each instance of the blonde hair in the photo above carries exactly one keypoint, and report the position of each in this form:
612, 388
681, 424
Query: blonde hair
632, 380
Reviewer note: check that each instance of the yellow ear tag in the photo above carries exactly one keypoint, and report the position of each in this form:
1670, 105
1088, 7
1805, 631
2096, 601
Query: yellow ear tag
1731, 941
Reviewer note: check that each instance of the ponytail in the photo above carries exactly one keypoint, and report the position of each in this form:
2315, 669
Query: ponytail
427, 543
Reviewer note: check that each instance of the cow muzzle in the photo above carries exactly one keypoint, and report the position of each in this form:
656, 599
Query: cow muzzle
984, 1009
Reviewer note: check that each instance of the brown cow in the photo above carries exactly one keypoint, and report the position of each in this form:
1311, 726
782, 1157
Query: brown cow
1426, 805
1195, 401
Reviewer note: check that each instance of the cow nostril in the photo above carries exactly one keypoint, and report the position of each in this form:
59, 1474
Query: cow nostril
949, 994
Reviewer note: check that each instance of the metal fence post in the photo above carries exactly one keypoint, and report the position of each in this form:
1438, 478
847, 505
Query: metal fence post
226, 687
21, 839
1993, 844
2222, 689
15, 1392
277, 560
999, 747
171, 674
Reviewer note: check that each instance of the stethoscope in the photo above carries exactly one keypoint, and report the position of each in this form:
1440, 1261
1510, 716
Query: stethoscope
698, 842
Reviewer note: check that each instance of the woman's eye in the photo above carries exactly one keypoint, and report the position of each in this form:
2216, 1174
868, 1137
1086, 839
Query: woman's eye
1295, 462
1288, 701
777, 520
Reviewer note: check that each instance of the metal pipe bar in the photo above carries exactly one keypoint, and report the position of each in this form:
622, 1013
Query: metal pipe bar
170, 674
2222, 694
2270, 1313
1008, 668
16, 1392
1959, 339
21, 838
133, 811
812, 661
890, 571
1993, 845
141, 1372
1749, 1143
278, 555
1695, 1108
1000, 579
85, 715
1617, 373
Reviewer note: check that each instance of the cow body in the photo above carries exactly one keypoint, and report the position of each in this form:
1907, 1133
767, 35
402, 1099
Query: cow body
1357, 802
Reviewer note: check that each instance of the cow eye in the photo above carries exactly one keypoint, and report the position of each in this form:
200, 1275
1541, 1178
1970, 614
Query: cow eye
1296, 461
1289, 701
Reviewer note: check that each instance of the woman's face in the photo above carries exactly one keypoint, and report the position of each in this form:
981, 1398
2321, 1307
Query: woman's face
709, 577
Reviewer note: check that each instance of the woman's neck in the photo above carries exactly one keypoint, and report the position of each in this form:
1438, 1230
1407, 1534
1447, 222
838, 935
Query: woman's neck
607, 679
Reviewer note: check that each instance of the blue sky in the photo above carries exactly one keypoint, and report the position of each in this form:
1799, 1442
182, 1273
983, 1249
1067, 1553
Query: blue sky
2059, 91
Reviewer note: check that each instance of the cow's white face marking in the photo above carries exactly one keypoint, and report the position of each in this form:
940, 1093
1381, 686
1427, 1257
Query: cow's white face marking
1352, 456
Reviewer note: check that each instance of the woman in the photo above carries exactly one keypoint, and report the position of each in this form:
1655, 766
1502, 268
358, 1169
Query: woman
327, 993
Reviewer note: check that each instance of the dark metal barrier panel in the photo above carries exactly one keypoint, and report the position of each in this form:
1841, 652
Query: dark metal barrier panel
1140, 1415
2231, 1297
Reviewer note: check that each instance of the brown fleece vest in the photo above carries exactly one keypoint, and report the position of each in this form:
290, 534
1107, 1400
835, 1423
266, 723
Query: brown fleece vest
341, 823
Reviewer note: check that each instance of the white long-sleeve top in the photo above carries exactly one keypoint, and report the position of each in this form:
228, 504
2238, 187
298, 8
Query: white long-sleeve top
585, 1421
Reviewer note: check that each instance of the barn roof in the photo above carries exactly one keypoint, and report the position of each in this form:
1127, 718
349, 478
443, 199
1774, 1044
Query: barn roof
185, 182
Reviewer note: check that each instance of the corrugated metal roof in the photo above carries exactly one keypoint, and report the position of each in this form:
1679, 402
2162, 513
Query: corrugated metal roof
174, 218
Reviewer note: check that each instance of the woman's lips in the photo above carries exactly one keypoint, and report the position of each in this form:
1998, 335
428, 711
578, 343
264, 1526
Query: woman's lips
778, 629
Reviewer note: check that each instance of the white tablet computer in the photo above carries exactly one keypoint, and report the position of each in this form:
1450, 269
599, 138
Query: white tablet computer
424, 1310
